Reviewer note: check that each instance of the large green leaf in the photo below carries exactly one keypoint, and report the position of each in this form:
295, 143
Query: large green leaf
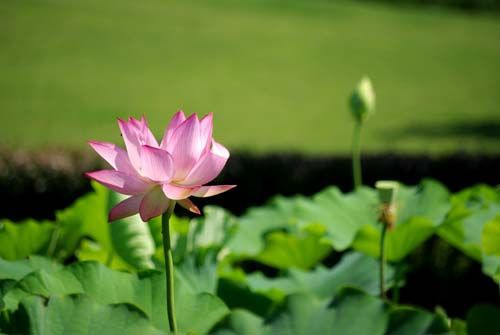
242, 322
129, 240
197, 237
273, 235
471, 209
491, 248
11, 272
285, 251
75, 315
19, 240
236, 294
18, 269
5, 285
421, 209
124, 244
340, 215
44, 284
248, 239
354, 269
146, 291
92, 251
458, 327
339, 220
473, 226
412, 321
491, 237
351, 312
86, 217
212, 230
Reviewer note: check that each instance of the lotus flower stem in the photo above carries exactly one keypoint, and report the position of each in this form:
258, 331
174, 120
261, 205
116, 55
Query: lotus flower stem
356, 155
169, 265
382, 261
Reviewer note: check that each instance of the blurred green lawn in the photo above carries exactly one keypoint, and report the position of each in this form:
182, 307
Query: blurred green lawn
276, 73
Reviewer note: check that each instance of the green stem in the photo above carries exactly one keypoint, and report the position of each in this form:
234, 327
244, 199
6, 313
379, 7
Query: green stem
382, 261
356, 156
169, 265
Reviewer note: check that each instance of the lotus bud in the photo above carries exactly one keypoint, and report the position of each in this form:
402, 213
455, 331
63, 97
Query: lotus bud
363, 100
387, 191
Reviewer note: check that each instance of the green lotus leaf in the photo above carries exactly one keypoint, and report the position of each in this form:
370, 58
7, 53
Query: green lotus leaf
350, 312
420, 211
145, 291
19, 240
75, 315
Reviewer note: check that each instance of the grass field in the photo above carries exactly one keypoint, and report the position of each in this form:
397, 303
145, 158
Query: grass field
277, 73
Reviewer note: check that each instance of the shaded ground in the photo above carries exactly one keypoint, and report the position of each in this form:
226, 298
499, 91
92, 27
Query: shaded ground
487, 130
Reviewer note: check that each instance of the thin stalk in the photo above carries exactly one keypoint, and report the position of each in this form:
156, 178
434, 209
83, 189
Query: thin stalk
356, 155
382, 261
169, 266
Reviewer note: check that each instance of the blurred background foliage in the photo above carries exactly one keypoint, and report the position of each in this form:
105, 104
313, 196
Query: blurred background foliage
276, 73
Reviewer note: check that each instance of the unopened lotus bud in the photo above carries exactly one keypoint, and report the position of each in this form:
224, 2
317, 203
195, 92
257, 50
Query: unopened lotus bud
387, 191
363, 100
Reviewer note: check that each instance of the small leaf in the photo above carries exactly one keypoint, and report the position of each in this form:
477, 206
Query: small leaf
285, 250
19, 240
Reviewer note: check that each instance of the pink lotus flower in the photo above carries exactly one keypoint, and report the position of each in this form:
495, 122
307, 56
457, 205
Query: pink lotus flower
154, 174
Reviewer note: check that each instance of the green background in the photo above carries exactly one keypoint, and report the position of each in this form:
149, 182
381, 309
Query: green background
277, 74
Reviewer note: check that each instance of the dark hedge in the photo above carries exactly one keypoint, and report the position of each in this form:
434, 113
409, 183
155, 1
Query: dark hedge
35, 184
467, 5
